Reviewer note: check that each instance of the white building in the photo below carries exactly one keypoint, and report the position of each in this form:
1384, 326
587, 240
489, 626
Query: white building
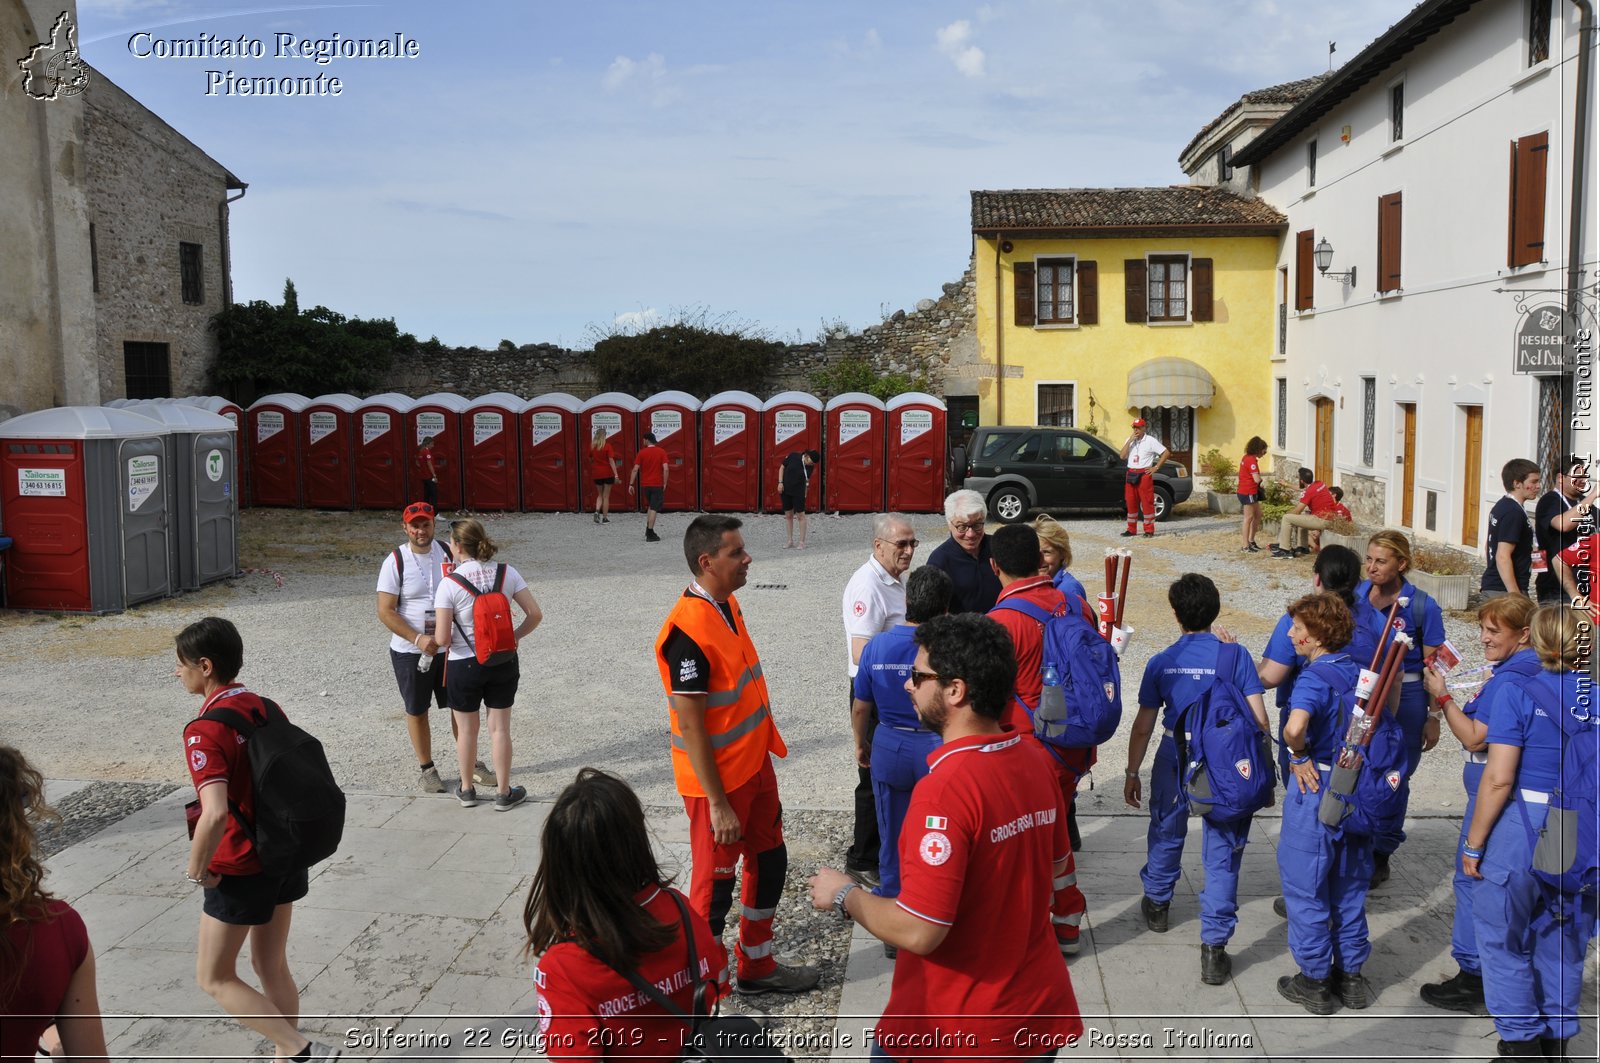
1438, 166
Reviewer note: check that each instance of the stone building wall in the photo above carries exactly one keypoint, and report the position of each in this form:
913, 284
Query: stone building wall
1365, 497
148, 190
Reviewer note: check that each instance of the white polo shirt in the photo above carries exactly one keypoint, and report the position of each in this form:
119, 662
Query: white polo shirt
874, 602
1144, 452
415, 587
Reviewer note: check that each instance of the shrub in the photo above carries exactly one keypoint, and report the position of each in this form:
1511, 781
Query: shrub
1223, 471
1443, 562
694, 353
858, 374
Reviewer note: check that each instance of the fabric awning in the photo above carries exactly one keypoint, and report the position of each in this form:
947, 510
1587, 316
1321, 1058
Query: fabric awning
1169, 382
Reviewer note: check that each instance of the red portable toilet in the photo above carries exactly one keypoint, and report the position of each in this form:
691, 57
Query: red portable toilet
852, 456
670, 416
328, 453
618, 415
437, 415
550, 447
381, 452
489, 453
791, 421
87, 494
730, 453
915, 461
272, 430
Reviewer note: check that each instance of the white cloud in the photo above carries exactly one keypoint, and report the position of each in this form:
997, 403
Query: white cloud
637, 320
649, 76
954, 41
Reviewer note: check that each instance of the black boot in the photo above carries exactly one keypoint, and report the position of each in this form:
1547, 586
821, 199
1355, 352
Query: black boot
1353, 991
1521, 1048
1554, 1048
1461, 992
1215, 964
1380, 870
1155, 915
1312, 994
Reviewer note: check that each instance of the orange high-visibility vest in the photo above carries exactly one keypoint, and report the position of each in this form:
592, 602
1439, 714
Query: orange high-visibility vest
738, 711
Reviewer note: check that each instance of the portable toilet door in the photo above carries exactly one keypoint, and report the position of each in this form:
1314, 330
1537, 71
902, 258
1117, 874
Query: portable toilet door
617, 415
380, 460
437, 415
791, 421
852, 457
550, 447
201, 452
670, 417
730, 453
272, 428
489, 452
915, 447
328, 452
85, 493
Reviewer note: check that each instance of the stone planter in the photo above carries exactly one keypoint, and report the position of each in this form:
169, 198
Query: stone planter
1271, 528
1449, 591
1356, 541
1218, 502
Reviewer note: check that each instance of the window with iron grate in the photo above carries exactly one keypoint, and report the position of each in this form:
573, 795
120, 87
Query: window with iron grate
1369, 419
1283, 412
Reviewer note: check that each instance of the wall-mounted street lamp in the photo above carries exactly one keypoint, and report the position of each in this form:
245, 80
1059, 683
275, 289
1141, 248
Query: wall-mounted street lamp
1323, 253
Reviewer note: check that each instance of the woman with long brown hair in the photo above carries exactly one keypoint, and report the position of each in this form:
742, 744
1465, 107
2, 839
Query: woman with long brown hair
46, 964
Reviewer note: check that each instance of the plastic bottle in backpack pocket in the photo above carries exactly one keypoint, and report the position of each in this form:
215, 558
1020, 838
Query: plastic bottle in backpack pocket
1050, 718
1341, 784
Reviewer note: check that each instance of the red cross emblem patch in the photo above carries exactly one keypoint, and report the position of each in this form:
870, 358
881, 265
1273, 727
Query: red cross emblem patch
1243, 768
935, 848
1393, 779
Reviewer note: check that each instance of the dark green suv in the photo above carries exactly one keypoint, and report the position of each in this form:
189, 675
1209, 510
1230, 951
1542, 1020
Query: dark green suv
1020, 470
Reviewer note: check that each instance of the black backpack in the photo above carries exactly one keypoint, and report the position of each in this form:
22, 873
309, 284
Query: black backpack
299, 808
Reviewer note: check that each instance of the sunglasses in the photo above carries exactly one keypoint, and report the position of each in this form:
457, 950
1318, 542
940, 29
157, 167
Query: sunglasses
918, 678
902, 544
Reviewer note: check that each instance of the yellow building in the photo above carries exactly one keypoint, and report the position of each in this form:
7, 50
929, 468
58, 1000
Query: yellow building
1098, 305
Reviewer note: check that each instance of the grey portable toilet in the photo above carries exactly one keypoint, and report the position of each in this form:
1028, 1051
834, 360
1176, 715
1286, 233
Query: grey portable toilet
85, 490
202, 452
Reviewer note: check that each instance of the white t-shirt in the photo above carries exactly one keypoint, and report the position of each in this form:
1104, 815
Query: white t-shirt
1144, 452
451, 595
415, 588
874, 602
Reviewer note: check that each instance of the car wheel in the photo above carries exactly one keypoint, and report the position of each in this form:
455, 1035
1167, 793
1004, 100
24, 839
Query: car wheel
1163, 502
1008, 505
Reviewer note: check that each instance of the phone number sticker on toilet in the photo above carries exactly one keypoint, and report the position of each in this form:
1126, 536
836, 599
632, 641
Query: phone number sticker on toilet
144, 477
42, 483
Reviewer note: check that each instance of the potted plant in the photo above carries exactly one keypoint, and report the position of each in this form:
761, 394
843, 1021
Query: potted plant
1340, 532
1277, 498
1222, 483
1448, 575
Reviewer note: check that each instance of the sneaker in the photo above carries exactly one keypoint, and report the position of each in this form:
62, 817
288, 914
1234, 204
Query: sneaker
890, 951
1301, 551
597, 518
468, 798
1155, 915
783, 979
510, 799
318, 1050
1215, 964
1129, 534
1280, 907
605, 520
1380, 870
867, 876
1280, 554
1353, 991
1070, 946
650, 536
430, 782
482, 775
1310, 993
1149, 535
1461, 992
1253, 548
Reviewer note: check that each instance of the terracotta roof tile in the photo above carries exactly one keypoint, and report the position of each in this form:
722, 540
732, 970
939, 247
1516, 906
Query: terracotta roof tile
1174, 206
1287, 94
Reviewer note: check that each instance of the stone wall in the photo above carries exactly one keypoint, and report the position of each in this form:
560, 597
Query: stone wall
150, 189
938, 335
1365, 496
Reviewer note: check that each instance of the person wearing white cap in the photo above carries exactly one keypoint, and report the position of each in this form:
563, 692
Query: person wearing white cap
1144, 454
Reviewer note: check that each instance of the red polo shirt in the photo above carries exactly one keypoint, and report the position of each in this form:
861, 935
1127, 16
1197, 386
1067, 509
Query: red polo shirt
651, 461
977, 853
216, 755
1585, 553
1318, 499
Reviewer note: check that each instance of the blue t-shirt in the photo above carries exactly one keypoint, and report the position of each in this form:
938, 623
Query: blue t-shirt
1517, 721
1320, 691
1370, 619
1067, 583
881, 677
1179, 674
1522, 664
1281, 650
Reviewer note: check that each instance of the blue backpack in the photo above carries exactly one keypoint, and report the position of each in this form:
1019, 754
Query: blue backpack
1227, 771
1564, 849
1380, 787
1091, 680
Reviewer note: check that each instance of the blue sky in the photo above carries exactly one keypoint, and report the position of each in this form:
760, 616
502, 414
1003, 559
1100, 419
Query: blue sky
542, 168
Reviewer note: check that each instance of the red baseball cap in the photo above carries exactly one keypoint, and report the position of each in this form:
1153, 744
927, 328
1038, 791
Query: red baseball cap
1139, 423
418, 510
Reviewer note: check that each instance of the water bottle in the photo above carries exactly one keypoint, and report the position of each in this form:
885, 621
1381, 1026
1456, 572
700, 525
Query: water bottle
1050, 719
424, 662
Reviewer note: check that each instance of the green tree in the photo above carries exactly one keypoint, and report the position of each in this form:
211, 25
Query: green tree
858, 374
692, 354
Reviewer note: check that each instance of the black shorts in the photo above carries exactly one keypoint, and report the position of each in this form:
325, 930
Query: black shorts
249, 900
793, 501
417, 688
1247, 500
472, 685
604, 481
653, 497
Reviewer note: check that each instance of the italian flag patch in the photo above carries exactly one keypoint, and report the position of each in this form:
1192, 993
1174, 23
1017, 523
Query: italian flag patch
936, 823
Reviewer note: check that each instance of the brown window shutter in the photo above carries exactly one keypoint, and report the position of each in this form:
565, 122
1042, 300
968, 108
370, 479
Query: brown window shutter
1136, 302
1088, 293
1022, 296
1200, 271
1305, 269
1389, 216
1530, 156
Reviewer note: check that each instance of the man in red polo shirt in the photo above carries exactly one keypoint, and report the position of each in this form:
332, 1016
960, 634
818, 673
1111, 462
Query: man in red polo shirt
1015, 558
978, 974
1316, 507
650, 473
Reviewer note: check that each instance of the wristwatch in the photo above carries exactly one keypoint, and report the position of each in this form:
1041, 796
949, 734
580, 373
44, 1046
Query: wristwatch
838, 899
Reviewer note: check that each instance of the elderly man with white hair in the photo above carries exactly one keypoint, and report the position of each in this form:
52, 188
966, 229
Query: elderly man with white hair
965, 555
874, 602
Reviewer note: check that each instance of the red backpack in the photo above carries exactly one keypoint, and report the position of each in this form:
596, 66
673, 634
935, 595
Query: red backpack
491, 620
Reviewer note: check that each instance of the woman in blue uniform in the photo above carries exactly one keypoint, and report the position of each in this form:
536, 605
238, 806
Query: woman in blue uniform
1388, 560
1324, 871
1503, 632
1532, 962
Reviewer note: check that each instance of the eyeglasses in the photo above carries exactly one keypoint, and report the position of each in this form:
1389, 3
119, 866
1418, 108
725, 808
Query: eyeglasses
918, 678
902, 544
969, 526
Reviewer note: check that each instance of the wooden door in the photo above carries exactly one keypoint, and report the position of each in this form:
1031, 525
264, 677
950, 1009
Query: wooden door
1408, 459
1323, 466
1174, 426
1472, 472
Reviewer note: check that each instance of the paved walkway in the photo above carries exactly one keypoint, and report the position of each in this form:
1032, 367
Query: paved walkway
408, 947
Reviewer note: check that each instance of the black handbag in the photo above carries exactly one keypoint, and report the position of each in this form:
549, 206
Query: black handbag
712, 1038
